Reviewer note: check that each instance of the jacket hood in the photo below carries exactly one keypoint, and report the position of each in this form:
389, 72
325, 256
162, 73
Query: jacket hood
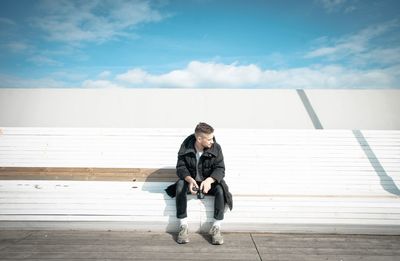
188, 146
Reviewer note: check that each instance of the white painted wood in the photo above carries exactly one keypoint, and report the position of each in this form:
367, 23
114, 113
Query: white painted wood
282, 180
98, 201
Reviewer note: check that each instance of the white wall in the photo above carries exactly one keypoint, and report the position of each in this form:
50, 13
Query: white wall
184, 108
357, 109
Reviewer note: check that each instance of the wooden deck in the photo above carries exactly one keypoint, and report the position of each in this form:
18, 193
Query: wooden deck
130, 245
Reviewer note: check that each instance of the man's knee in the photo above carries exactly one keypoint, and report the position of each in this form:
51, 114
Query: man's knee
219, 190
181, 186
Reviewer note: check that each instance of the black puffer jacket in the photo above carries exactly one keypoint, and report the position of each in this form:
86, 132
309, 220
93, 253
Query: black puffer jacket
211, 164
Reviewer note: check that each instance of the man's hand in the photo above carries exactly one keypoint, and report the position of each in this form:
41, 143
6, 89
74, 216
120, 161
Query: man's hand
205, 186
192, 184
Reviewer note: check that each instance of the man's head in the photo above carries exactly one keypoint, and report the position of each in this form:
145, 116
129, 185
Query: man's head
204, 135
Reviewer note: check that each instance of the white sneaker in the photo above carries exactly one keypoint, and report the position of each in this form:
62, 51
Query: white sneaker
183, 236
216, 236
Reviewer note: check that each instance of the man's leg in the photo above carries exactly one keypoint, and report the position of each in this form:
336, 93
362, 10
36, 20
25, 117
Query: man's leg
219, 202
219, 207
181, 211
181, 199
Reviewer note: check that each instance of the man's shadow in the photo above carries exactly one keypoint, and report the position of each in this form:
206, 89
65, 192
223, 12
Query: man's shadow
156, 181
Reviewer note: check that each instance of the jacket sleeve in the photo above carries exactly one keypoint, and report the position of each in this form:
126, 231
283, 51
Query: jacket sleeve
219, 171
181, 169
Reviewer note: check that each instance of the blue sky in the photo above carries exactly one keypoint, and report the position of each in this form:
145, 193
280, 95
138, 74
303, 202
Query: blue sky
200, 44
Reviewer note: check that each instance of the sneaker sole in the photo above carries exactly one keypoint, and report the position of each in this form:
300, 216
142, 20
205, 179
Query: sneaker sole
218, 243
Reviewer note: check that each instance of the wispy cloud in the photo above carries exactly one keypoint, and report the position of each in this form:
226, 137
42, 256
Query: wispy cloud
216, 75
97, 21
378, 56
358, 46
10, 81
72, 77
337, 5
17, 47
6, 21
44, 60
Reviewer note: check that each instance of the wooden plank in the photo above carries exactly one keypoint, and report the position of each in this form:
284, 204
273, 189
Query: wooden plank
64, 173
127, 246
327, 247
264, 188
273, 216
353, 205
8, 238
150, 141
55, 203
168, 174
172, 226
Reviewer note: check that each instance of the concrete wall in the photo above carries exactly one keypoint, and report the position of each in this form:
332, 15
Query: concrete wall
184, 108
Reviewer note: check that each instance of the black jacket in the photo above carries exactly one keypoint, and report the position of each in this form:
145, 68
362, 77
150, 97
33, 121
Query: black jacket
211, 164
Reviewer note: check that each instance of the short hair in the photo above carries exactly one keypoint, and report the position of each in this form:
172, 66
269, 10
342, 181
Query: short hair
203, 127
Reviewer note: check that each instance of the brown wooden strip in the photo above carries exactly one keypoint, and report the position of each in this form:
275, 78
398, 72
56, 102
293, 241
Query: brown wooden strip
126, 245
109, 174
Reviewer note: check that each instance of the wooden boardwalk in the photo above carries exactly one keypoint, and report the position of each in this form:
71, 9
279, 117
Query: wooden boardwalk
130, 245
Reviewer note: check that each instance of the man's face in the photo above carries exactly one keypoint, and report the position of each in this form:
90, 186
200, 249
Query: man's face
206, 140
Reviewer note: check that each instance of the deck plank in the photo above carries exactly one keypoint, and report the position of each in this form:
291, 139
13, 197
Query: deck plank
126, 246
110, 174
327, 247
130, 245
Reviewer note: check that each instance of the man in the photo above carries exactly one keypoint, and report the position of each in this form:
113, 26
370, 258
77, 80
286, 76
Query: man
200, 167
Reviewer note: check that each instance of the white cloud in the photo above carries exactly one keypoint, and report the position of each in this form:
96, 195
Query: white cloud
216, 75
197, 74
356, 46
135, 76
99, 84
104, 74
92, 20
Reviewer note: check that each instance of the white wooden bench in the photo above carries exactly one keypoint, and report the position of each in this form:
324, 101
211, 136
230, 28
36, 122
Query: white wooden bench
328, 181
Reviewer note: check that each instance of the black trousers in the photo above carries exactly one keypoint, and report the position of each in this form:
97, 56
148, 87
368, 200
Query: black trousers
182, 189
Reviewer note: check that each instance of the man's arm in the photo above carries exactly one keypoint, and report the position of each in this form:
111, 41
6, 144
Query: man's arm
181, 169
183, 173
217, 175
219, 171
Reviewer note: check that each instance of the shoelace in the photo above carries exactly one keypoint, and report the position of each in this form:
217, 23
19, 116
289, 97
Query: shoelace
182, 230
214, 230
